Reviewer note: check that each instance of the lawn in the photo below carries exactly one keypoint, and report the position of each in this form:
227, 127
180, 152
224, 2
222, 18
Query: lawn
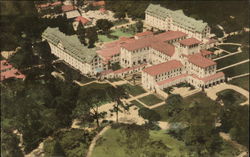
133, 90
232, 59
230, 48
111, 144
198, 97
150, 100
117, 33
242, 82
136, 103
104, 38
237, 70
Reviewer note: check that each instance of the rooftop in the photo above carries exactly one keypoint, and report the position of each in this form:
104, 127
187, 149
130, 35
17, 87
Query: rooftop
66, 8
72, 14
164, 48
71, 44
81, 19
146, 33
200, 61
189, 41
178, 17
206, 52
163, 67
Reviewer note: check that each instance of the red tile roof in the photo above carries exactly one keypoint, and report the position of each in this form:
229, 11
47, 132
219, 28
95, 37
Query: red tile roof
7, 71
81, 19
129, 69
56, 3
189, 41
98, 3
200, 61
170, 35
171, 79
5, 65
66, 8
102, 10
163, 67
206, 52
43, 5
164, 48
209, 78
148, 40
109, 52
147, 33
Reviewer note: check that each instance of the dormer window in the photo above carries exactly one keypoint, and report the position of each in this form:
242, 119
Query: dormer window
60, 45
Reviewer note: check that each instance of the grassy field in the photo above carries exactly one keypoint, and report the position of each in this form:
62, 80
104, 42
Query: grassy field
150, 100
232, 59
198, 97
230, 48
134, 90
242, 82
237, 70
117, 32
136, 103
110, 145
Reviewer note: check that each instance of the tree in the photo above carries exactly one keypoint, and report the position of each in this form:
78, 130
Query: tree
117, 94
174, 104
81, 33
58, 150
92, 36
148, 114
139, 26
9, 144
120, 15
104, 25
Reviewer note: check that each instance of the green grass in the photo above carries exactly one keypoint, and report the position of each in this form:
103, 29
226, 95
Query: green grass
232, 59
198, 97
133, 90
230, 48
110, 144
104, 38
237, 70
119, 33
150, 100
242, 82
136, 103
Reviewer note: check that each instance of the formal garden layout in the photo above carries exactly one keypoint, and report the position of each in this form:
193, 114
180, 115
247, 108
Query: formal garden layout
58, 111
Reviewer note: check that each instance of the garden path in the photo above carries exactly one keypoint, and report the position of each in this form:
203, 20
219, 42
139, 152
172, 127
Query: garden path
232, 65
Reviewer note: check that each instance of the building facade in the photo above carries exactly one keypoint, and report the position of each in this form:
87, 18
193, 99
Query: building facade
165, 19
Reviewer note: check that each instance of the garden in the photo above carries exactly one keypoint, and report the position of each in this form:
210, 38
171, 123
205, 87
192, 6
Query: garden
116, 33
230, 48
237, 70
150, 100
242, 82
133, 90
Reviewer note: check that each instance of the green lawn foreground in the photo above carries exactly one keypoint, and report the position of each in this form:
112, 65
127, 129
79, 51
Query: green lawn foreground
150, 100
198, 97
133, 90
116, 32
242, 82
110, 144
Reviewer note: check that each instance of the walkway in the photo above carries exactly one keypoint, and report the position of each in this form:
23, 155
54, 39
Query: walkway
212, 91
237, 44
93, 142
238, 76
231, 54
232, 65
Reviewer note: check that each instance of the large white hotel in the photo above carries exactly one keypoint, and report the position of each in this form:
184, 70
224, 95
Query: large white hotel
164, 59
